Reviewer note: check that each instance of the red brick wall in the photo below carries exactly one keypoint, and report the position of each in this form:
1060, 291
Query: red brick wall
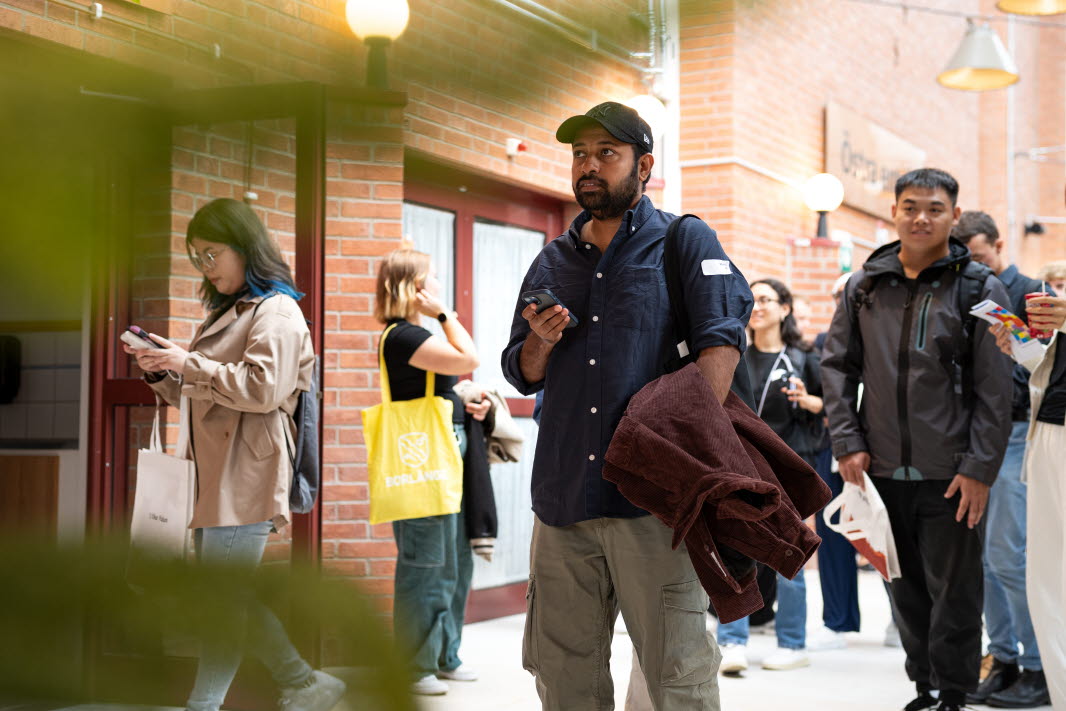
756, 77
1039, 98
364, 212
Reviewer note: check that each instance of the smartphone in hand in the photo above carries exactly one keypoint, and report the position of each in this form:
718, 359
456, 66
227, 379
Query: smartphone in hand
545, 299
137, 337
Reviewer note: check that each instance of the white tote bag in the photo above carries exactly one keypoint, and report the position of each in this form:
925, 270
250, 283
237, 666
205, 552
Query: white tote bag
864, 522
165, 494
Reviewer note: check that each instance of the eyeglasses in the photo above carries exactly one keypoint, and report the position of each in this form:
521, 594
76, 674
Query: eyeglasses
204, 262
762, 301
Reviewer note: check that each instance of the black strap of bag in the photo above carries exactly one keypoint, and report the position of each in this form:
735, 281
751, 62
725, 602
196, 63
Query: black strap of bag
304, 452
741, 384
738, 564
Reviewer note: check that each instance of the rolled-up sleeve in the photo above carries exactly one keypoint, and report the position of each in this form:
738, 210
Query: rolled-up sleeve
716, 293
512, 353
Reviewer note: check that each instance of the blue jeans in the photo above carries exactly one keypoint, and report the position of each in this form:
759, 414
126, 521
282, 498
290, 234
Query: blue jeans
434, 566
790, 623
253, 626
1006, 608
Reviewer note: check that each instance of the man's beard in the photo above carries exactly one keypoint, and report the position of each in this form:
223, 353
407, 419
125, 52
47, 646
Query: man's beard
612, 202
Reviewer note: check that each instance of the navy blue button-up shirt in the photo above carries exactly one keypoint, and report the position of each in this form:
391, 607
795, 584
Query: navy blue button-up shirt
623, 342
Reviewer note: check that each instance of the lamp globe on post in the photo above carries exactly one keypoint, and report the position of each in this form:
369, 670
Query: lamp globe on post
1032, 7
652, 110
823, 193
377, 22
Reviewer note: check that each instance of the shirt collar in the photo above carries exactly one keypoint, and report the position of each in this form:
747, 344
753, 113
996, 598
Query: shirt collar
632, 221
1009, 275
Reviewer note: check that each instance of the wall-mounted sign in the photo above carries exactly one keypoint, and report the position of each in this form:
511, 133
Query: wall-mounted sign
867, 158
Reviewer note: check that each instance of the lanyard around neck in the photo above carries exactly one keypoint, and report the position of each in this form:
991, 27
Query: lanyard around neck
769, 376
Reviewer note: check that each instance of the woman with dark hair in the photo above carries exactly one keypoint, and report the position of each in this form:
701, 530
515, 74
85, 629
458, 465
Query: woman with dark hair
787, 382
241, 377
434, 564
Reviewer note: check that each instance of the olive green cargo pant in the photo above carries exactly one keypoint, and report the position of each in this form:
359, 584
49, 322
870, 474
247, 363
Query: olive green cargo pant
581, 576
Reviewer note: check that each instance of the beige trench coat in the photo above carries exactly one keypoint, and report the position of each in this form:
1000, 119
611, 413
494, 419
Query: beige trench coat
242, 377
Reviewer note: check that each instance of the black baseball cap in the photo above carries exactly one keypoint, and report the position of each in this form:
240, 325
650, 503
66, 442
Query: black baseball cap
621, 121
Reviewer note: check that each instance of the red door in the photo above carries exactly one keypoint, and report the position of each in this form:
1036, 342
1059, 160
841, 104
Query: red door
194, 146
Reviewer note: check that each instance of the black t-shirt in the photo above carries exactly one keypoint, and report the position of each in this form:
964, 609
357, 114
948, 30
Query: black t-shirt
408, 382
801, 430
1053, 406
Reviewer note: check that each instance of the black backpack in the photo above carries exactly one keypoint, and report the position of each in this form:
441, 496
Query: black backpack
741, 384
306, 468
959, 363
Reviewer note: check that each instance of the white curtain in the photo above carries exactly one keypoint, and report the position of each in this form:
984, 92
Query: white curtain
433, 231
511, 486
502, 254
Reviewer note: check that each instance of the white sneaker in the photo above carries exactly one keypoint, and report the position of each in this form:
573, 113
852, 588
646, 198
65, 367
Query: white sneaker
461, 673
826, 639
892, 636
734, 658
429, 685
767, 628
321, 694
784, 659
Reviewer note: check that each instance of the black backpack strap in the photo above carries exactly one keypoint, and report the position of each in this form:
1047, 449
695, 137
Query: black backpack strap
972, 278
682, 356
856, 296
672, 270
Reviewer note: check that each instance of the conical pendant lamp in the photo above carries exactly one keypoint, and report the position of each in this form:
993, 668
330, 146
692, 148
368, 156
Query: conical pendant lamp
1032, 7
980, 63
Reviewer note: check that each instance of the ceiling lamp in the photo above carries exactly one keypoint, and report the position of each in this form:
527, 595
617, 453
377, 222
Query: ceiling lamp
378, 22
980, 63
1032, 7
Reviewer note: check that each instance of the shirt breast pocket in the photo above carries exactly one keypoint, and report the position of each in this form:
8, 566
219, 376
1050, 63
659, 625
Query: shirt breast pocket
635, 299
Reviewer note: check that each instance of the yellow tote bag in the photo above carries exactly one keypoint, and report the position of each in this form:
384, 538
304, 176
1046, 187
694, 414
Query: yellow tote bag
415, 469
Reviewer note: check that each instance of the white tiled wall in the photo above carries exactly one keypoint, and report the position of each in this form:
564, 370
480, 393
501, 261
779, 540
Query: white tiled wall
46, 407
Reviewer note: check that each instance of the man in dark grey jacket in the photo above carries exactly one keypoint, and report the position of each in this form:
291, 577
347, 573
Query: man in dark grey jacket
932, 427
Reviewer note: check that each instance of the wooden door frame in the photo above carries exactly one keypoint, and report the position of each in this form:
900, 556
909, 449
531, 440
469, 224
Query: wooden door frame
107, 466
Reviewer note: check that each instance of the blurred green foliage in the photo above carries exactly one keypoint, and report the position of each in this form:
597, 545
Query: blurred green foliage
50, 597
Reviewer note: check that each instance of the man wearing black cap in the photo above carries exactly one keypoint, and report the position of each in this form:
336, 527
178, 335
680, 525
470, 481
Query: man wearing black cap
594, 553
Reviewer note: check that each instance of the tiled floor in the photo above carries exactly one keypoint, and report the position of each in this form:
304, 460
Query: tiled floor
866, 676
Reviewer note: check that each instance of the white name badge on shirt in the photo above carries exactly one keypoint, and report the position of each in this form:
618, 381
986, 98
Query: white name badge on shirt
716, 267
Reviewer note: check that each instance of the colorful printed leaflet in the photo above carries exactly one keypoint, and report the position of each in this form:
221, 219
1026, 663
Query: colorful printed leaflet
1024, 346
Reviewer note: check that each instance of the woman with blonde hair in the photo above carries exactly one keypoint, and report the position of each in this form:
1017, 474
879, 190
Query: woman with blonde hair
1054, 274
434, 563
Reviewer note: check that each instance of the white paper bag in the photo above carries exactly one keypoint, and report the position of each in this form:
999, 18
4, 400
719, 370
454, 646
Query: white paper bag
164, 498
864, 522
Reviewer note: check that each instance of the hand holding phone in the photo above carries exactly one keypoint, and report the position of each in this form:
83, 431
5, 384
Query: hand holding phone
545, 299
136, 337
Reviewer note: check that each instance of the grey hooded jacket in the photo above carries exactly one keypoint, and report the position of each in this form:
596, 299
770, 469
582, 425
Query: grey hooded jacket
913, 420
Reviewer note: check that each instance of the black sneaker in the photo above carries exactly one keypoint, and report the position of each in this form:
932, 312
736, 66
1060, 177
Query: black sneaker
1029, 691
1000, 676
925, 700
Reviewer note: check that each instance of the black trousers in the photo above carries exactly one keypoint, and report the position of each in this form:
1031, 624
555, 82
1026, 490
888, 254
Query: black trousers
939, 597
